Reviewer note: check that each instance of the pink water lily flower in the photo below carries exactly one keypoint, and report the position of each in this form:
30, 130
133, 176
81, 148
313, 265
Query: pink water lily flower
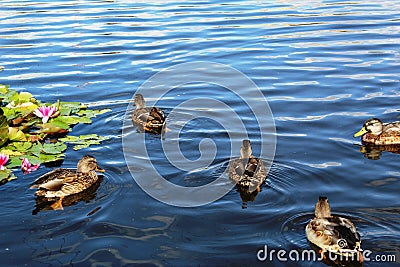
45, 112
3, 161
27, 167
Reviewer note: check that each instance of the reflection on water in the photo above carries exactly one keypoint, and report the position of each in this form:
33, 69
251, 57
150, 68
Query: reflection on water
374, 152
246, 195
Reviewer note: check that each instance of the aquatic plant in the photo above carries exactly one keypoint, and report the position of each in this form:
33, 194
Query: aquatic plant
3, 161
27, 167
45, 112
34, 133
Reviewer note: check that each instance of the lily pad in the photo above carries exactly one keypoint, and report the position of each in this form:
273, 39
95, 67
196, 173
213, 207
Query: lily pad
68, 108
54, 149
49, 158
71, 120
25, 97
84, 141
11, 152
15, 134
55, 126
11, 113
14, 162
90, 113
3, 89
6, 175
22, 146
3, 130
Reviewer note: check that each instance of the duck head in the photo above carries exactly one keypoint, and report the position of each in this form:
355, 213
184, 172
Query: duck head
245, 150
373, 126
88, 164
139, 101
322, 208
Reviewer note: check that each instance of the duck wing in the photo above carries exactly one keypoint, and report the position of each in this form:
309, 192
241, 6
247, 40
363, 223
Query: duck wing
392, 127
156, 116
54, 179
247, 172
141, 116
343, 229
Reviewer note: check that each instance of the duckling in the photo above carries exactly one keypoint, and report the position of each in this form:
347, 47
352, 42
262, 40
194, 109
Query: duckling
331, 233
247, 171
62, 182
149, 119
378, 133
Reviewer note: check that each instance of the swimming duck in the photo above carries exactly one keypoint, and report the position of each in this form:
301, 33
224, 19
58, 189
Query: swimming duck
149, 119
333, 234
378, 133
62, 182
247, 171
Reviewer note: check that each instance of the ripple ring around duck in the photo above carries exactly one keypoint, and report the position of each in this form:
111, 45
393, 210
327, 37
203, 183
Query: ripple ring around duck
209, 106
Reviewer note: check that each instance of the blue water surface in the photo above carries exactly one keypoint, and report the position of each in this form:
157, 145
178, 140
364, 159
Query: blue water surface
324, 67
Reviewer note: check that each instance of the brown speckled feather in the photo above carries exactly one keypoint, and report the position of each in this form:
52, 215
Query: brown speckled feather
247, 172
149, 119
390, 135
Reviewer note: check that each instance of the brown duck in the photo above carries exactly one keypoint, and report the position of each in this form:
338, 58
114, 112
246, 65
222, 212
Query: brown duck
62, 182
378, 133
247, 171
149, 119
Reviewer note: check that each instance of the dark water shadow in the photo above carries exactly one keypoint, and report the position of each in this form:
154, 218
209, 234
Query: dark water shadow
374, 152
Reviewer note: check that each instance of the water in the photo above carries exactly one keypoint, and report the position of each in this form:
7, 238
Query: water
324, 67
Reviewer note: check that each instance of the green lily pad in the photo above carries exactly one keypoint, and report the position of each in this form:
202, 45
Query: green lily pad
25, 97
71, 120
10, 152
26, 108
5, 176
11, 113
22, 146
14, 162
68, 108
56, 125
49, 158
90, 113
54, 149
84, 141
3, 130
36, 149
3, 89
15, 134
10, 96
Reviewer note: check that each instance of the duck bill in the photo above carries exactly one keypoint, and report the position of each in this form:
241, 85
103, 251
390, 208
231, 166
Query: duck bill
98, 169
360, 132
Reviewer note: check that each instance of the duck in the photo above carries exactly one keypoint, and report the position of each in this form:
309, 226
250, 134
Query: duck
332, 233
377, 133
63, 182
149, 119
247, 171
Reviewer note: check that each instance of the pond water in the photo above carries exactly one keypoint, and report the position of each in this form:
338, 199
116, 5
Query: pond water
324, 67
